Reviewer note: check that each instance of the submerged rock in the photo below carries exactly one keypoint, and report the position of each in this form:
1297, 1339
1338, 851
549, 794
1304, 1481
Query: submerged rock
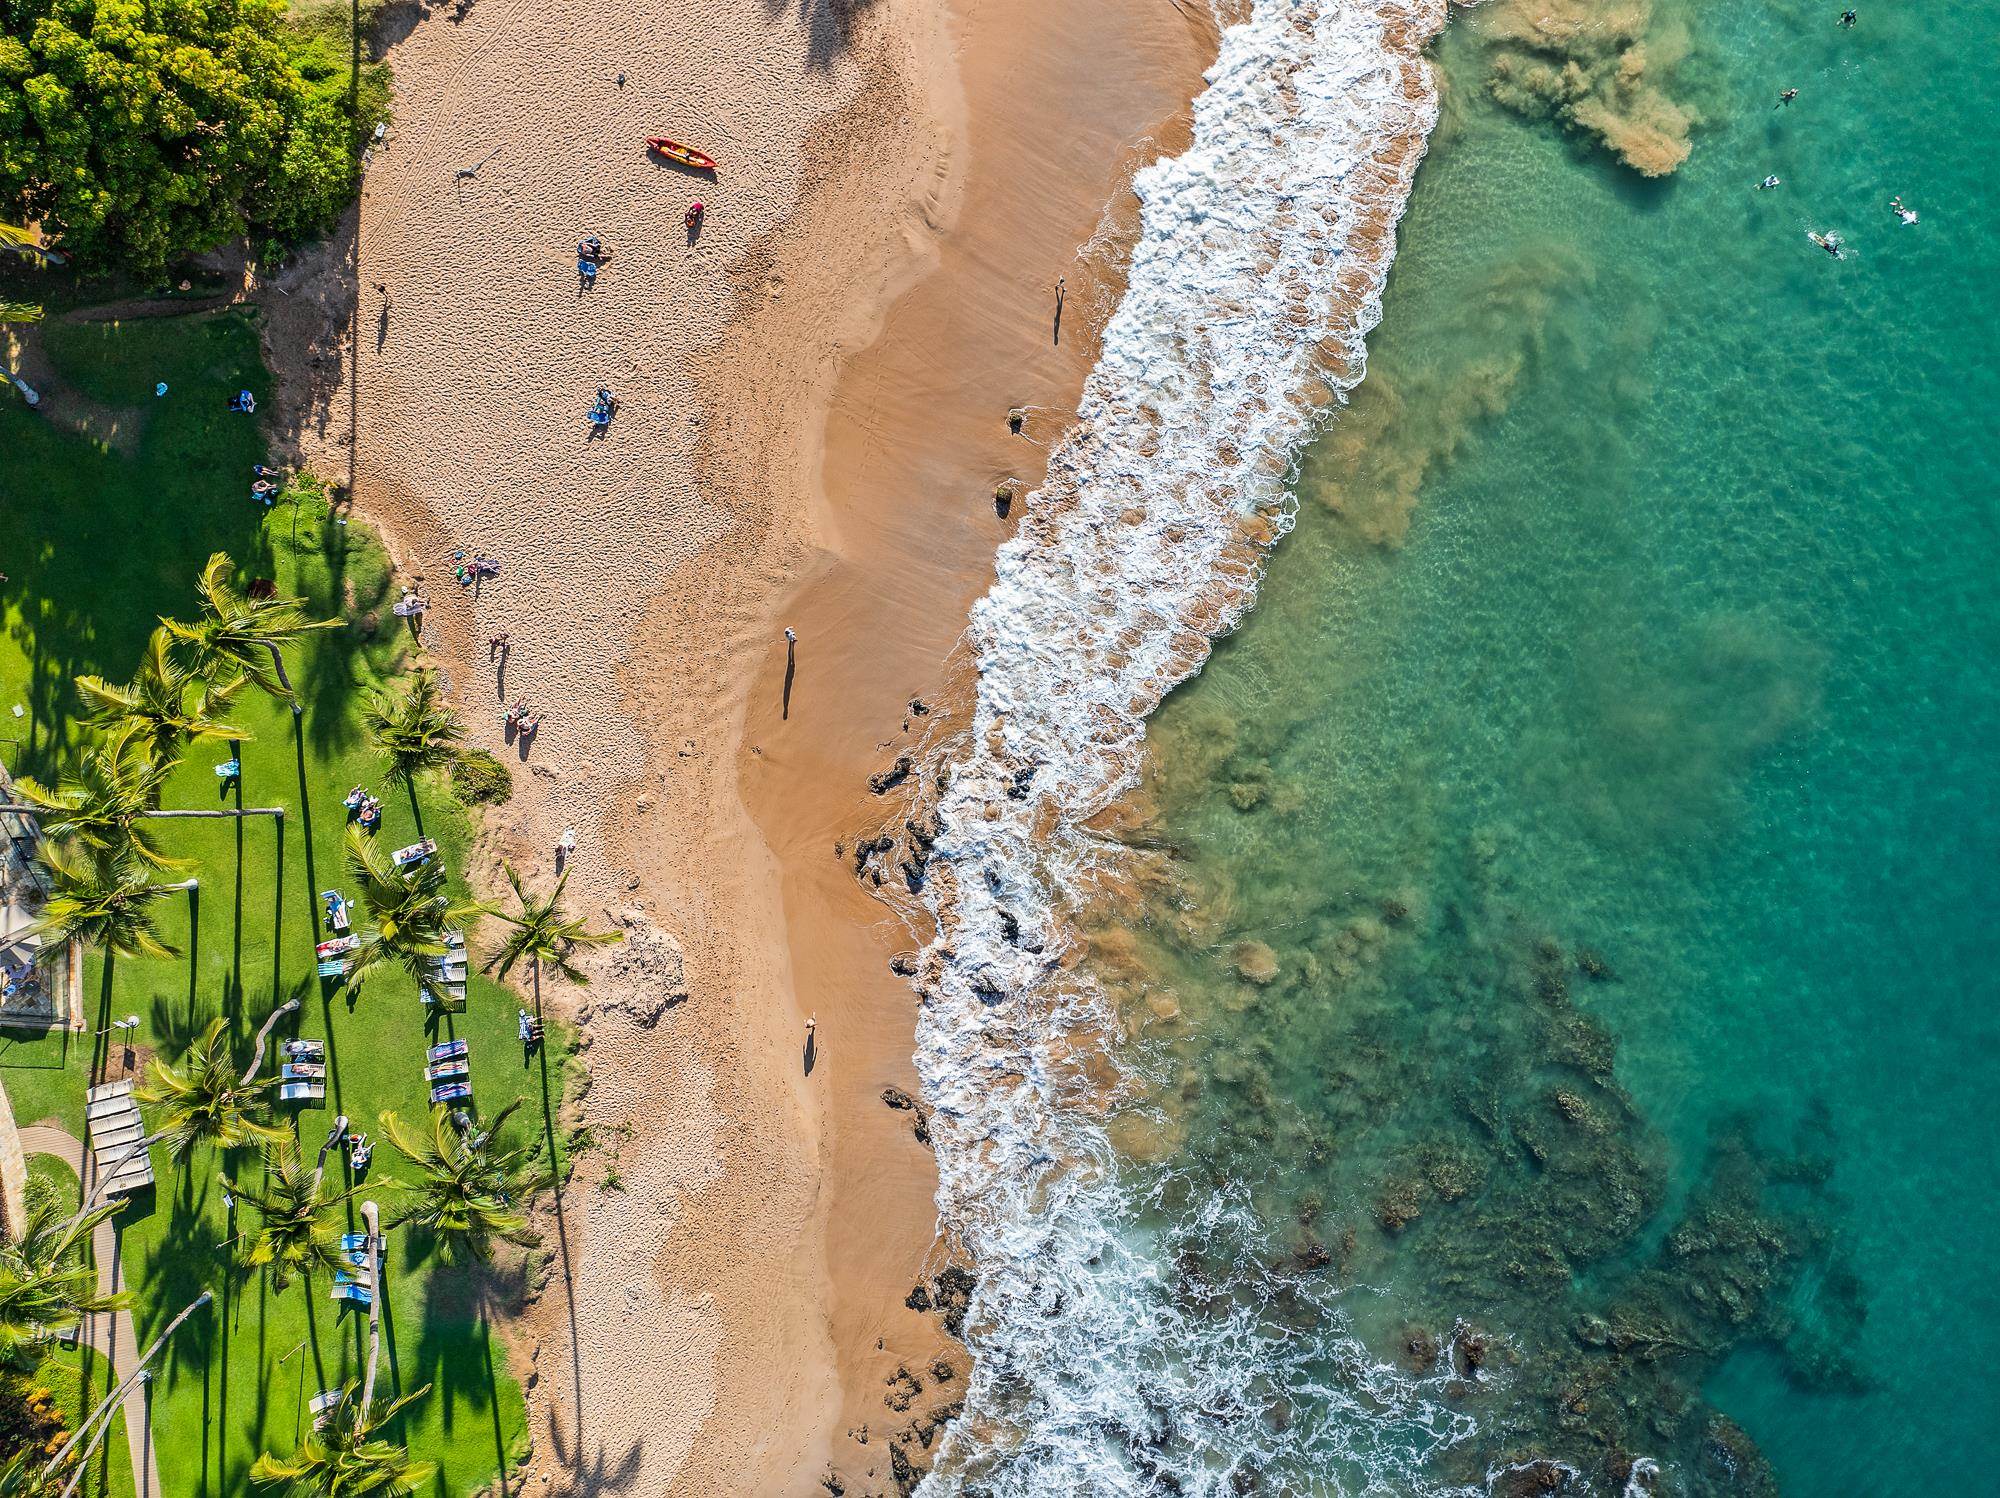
892, 777
1255, 962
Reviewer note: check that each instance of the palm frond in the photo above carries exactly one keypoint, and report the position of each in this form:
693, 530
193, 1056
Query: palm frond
544, 933
409, 914
102, 901
239, 636
103, 804
163, 706
413, 727
299, 1232
204, 1100
464, 1198
345, 1458
47, 1280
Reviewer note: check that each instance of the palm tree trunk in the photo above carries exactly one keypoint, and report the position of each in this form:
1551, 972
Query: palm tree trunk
147, 1141
278, 661
112, 1400
248, 811
264, 1034
143, 1142
371, 1214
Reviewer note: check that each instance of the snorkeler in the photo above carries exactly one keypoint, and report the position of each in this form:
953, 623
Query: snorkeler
1902, 211
1768, 183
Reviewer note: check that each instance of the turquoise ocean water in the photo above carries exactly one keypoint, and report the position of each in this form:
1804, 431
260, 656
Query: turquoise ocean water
1579, 928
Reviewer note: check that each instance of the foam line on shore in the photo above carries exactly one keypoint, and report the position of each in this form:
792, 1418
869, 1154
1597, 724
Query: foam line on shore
1256, 277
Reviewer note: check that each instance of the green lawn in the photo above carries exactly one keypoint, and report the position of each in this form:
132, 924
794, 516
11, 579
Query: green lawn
96, 546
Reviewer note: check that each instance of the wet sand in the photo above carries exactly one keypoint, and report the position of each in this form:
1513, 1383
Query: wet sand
813, 419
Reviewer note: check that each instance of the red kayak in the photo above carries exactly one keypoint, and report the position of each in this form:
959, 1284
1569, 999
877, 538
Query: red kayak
685, 155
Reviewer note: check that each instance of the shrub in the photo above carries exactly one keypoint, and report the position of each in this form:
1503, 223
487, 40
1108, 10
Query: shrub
478, 779
136, 133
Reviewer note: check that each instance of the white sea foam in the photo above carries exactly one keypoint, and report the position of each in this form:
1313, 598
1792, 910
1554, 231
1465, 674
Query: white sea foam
1255, 278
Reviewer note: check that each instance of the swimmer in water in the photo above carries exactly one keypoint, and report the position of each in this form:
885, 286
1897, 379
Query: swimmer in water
1907, 214
1768, 183
1787, 96
1829, 241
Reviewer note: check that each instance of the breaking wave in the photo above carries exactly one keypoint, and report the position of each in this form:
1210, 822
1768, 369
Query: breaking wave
1131, 1332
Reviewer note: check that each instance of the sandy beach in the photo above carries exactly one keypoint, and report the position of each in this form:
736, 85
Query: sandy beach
814, 393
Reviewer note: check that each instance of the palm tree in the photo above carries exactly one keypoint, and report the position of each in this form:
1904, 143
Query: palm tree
40, 1483
297, 1235
237, 635
154, 710
203, 1106
102, 902
543, 933
409, 911
102, 805
20, 312
339, 1459
346, 1458
414, 728
47, 1281
205, 1101
464, 1196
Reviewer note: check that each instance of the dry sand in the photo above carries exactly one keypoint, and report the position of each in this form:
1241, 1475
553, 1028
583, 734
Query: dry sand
812, 423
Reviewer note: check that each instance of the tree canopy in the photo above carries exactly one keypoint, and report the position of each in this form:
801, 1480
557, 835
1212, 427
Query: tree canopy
136, 132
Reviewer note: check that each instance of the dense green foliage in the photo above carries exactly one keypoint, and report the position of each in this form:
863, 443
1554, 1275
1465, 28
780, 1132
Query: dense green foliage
134, 133
478, 779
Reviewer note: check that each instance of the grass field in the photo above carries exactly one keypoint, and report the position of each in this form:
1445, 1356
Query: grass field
96, 546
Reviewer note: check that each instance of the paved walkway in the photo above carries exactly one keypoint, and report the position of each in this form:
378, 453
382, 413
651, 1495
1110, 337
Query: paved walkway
109, 1334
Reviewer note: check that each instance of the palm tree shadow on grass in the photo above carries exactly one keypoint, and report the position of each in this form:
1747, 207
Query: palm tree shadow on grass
454, 1352
340, 666
93, 604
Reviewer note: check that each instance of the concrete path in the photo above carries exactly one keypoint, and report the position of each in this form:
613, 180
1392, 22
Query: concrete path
110, 1334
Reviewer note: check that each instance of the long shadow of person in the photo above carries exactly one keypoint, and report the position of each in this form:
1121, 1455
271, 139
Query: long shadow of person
812, 1051
791, 670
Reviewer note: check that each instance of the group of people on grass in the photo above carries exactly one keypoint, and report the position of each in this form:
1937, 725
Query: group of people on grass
364, 810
